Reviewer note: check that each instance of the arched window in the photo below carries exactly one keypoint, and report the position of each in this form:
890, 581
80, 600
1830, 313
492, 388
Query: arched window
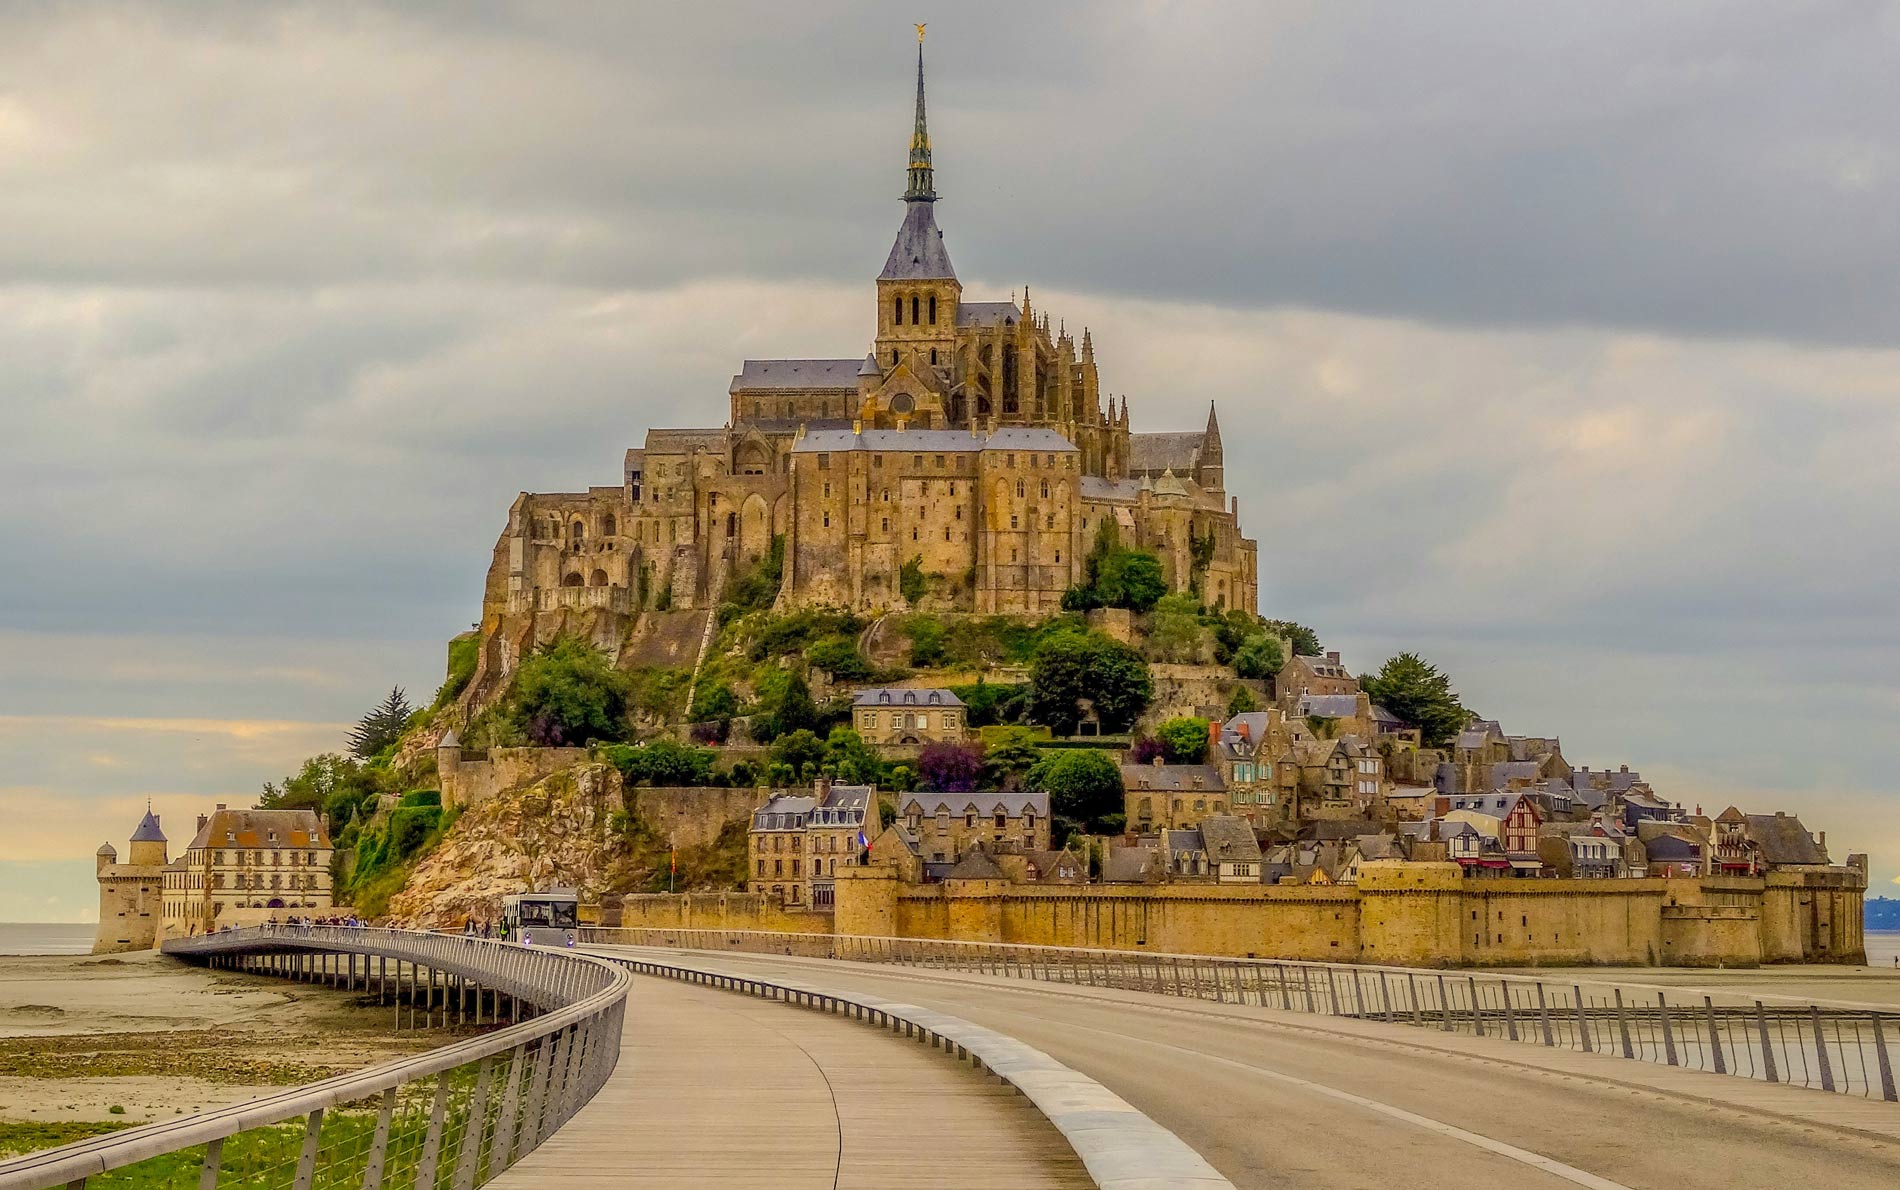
572, 580
897, 312
933, 350
933, 318
1045, 489
607, 524
576, 535
913, 309
1019, 489
599, 579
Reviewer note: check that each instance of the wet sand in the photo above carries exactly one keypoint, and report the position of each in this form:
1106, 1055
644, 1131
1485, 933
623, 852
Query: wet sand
155, 1037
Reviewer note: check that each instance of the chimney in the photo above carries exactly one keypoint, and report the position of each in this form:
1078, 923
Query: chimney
220, 805
1622, 768
1823, 837
821, 789
204, 820
1159, 760
1333, 657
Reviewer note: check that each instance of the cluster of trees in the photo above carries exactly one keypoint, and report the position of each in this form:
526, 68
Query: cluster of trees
1074, 672
1416, 691
1114, 575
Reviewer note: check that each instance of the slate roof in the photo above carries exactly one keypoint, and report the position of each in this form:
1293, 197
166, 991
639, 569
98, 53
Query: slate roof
1094, 487
892, 696
1173, 777
976, 864
1229, 840
1185, 840
933, 441
148, 831
757, 374
986, 313
1783, 840
918, 253
1330, 706
1386, 720
1129, 865
1159, 452
253, 828
1059, 867
1011, 804
784, 811
683, 442
1256, 723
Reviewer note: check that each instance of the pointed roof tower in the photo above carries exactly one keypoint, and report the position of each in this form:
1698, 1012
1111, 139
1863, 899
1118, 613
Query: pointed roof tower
918, 254
1210, 440
148, 831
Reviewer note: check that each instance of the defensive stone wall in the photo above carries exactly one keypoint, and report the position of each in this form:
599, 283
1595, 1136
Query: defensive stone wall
709, 911
691, 816
469, 778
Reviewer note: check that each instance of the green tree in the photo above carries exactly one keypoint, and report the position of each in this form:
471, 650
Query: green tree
319, 780
567, 693
839, 657
1413, 689
713, 701
797, 749
928, 643
1260, 657
382, 726
1084, 785
854, 761
1131, 579
1184, 740
911, 583
1069, 667
1305, 640
661, 762
1175, 634
1008, 755
1242, 702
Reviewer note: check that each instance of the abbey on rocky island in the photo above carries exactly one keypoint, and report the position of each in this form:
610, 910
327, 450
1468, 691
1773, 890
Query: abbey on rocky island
971, 443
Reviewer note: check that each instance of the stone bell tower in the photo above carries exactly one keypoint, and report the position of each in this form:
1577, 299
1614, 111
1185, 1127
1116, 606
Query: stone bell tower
918, 291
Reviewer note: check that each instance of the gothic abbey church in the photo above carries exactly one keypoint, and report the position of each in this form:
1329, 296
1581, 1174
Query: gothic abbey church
971, 439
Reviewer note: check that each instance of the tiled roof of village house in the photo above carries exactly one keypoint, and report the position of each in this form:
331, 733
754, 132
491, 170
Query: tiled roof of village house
1783, 840
1158, 452
784, 811
1128, 865
976, 864
1185, 840
893, 696
1255, 724
1330, 706
1229, 840
934, 441
796, 374
1011, 804
987, 313
254, 828
1173, 777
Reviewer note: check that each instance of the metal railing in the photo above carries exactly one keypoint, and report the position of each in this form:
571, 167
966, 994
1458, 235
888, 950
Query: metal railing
1825, 1047
449, 1119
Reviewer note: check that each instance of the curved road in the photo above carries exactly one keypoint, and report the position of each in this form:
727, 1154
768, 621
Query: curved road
1280, 1100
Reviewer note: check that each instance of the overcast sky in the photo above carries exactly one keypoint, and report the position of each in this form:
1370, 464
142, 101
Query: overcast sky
1558, 342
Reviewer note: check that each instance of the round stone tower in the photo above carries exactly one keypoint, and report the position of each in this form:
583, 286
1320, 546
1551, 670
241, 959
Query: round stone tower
132, 894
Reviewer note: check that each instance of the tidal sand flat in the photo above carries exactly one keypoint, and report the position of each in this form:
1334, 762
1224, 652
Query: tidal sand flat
93, 1043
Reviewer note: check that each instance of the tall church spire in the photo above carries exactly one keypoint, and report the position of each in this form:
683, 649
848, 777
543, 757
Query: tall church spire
922, 188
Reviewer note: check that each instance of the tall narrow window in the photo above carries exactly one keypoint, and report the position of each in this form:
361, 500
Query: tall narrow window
933, 316
913, 309
897, 311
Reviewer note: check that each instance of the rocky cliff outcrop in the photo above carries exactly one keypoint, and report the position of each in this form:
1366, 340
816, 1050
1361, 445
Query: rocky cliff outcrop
556, 832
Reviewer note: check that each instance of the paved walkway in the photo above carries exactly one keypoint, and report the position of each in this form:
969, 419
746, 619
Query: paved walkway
721, 1090
1356, 1104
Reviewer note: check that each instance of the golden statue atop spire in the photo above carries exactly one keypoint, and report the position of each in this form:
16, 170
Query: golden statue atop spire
920, 35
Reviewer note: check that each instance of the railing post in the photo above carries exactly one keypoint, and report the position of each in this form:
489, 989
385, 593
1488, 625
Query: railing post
1583, 1021
214, 1160
1669, 1035
1623, 1024
432, 1142
1886, 1066
1543, 1015
378, 1147
307, 1158
1715, 1037
1510, 1017
1477, 1015
1418, 1013
1820, 1049
469, 1155
1444, 1003
1767, 1051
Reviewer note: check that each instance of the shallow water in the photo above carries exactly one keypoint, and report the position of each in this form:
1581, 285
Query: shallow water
46, 937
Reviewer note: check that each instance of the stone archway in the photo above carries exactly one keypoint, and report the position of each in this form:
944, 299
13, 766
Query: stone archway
755, 527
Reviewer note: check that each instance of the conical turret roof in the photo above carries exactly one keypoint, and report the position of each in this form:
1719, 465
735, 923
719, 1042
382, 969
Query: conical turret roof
148, 831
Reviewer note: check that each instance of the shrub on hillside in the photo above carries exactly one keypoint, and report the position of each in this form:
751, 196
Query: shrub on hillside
1084, 786
567, 692
1075, 666
1184, 740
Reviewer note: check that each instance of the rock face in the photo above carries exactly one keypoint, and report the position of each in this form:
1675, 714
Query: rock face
555, 832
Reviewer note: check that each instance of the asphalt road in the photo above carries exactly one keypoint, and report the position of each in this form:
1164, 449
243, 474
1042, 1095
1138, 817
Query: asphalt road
1271, 1103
